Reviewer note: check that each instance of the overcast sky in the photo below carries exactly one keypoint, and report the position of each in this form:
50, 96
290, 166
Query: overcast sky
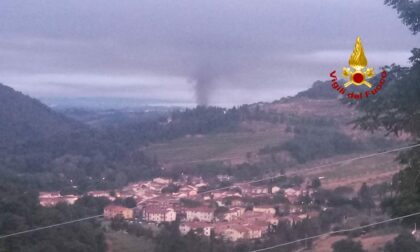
222, 52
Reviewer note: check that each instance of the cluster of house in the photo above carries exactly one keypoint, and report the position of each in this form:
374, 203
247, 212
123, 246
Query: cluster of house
237, 220
48, 199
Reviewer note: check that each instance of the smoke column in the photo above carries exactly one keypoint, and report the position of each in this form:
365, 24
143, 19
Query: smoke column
204, 79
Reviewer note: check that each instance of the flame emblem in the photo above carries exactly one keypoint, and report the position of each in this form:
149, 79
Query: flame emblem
358, 73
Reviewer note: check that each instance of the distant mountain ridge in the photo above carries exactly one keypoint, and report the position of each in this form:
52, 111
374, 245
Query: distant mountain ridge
323, 89
319, 90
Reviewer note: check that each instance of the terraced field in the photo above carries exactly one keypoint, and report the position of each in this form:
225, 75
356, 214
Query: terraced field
244, 145
369, 243
370, 170
232, 147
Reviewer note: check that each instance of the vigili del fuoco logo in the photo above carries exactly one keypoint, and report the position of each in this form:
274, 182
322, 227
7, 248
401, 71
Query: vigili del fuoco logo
358, 74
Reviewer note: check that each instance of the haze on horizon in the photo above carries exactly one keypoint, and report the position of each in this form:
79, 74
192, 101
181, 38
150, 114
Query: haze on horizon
182, 52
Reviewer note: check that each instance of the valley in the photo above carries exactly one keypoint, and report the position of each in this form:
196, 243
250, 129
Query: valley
164, 157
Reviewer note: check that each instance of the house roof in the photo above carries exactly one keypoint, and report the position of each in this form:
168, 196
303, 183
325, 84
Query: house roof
97, 192
49, 194
238, 228
157, 209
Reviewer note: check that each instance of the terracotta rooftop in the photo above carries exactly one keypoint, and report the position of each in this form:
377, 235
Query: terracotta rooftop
157, 209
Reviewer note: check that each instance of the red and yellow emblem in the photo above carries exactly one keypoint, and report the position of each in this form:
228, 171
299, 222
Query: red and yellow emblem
358, 73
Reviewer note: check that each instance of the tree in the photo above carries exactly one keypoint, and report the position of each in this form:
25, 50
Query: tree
403, 242
129, 202
381, 189
365, 196
313, 141
408, 11
395, 109
190, 202
171, 188
347, 245
21, 211
220, 211
118, 223
169, 239
316, 183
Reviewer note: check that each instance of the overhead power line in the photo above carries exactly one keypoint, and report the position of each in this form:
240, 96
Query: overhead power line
51, 226
223, 188
323, 166
336, 232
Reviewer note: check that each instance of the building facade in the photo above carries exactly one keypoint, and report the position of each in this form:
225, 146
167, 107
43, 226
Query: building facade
113, 211
200, 213
159, 214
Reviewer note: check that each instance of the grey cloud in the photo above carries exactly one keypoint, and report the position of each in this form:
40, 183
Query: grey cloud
246, 49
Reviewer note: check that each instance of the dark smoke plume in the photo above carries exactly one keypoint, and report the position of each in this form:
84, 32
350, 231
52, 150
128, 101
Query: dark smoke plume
204, 79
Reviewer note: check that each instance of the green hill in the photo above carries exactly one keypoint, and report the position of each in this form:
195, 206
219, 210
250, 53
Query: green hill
48, 150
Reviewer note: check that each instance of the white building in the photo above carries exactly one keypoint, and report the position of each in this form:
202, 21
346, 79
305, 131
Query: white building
233, 213
235, 232
265, 209
200, 214
49, 199
49, 194
290, 192
197, 227
158, 214
104, 194
163, 181
253, 190
275, 189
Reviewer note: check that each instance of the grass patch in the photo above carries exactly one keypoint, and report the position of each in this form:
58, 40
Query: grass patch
214, 147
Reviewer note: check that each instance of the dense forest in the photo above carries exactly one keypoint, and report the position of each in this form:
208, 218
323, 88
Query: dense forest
20, 210
314, 138
396, 109
51, 151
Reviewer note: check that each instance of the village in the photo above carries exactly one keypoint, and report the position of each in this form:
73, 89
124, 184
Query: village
226, 212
